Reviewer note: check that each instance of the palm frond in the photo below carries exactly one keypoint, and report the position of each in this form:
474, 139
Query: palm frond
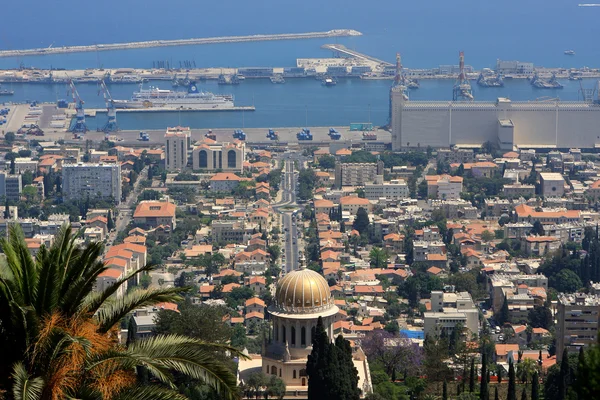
191, 357
25, 387
149, 393
95, 300
48, 283
111, 313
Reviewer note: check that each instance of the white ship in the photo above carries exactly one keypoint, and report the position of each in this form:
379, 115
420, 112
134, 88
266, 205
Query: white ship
163, 98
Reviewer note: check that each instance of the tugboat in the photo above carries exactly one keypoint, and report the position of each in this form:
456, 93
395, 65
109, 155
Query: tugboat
569, 52
5, 92
277, 79
328, 81
546, 84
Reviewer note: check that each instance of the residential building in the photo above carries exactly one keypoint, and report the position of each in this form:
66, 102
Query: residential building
518, 190
224, 182
236, 231
10, 187
450, 309
444, 187
211, 156
522, 292
151, 214
177, 146
525, 213
577, 322
83, 180
552, 184
540, 245
355, 174
23, 164
351, 204
393, 190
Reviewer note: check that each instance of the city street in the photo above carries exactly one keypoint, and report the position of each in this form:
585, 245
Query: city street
286, 208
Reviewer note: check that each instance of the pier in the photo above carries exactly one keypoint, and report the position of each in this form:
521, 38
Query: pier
178, 42
91, 112
341, 50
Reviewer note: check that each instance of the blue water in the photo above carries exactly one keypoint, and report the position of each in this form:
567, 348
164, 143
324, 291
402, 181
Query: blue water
413, 334
427, 33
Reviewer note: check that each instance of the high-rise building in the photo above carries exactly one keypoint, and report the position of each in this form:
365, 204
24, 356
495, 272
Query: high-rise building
10, 187
83, 180
577, 322
178, 143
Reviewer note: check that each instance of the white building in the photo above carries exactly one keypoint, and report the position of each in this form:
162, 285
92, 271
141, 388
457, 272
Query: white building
83, 180
444, 187
507, 123
23, 164
394, 190
219, 156
177, 147
301, 297
553, 184
450, 309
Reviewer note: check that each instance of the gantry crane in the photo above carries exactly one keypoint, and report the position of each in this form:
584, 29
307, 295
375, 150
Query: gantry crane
462, 87
79, 126
111, 123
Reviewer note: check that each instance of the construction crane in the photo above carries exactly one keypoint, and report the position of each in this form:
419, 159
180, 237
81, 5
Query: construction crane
111, 123
79, 126
462, 87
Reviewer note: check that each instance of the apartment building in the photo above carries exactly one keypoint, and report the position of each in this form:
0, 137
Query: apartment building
10, 187
177, 146
577, 322
393, 190
450, 309
355, 174
444, 187
91, 180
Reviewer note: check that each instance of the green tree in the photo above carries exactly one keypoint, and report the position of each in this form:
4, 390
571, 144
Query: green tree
331, 373
27, 178
538, 229
445, 391
483, 386
499, 372
504, 314
512, 383
276, 387
525, 370
110, 222
378, 257
327, 161
472, 373
524, 394
58, 334
238, 336
10, 137
362, 222
487, 236
535, 387
564, 376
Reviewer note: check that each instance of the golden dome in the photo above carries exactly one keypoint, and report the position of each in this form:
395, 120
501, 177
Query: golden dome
303, 291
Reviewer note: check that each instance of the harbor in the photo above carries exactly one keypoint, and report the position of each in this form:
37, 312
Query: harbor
177, 42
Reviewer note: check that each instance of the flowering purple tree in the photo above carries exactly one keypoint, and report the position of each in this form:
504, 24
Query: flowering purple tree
395, 352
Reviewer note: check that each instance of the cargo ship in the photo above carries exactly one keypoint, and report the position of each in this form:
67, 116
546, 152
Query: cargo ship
192, 98
552, 83
490, 81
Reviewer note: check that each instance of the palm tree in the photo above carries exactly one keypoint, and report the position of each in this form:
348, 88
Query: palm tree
525, 369
59, 337
378, 257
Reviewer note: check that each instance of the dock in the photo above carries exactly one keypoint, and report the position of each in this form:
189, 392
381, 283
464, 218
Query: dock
343, 51
91, 112
178, 42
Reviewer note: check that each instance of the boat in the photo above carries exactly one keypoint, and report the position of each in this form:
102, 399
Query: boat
412, 84
328, 81
552, 83
6, 92
229, 80
569, 52
277, 79
490, 81
192, 98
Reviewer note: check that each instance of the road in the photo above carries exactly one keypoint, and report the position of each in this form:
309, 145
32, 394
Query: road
286, 208
125, 208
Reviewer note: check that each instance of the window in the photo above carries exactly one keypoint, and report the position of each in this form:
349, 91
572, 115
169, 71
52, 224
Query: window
203, 159
293, 336
231, 159
303, 336
294, 374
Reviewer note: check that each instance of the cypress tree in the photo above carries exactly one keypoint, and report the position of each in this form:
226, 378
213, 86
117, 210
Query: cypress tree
110, 224
130, 331
483, 386
563, 376
472, 376
6, 210
524, 394
445, 391
496, 394
582, 375
499, 371
348, 384
535, 386
512, 388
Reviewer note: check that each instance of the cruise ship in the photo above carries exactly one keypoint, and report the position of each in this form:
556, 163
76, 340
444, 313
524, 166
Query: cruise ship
164, 98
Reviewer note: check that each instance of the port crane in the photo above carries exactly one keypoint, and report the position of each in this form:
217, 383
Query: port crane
111, 123
80, 125
462, 88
